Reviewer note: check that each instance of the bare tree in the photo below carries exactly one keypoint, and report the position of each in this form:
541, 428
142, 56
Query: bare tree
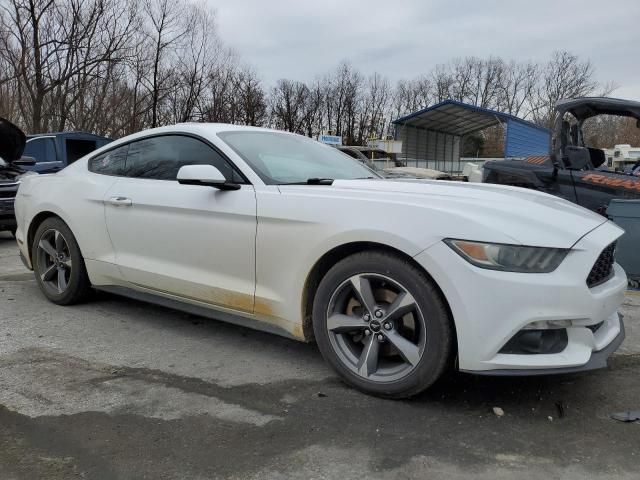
54, 48
168, 27
342, 89
564, 76
461, 78
487, 79
517, 87
412, 95
442, 83
251, 98
195, 58
374, 112
219, 104
314, 120
606, 131
289, 105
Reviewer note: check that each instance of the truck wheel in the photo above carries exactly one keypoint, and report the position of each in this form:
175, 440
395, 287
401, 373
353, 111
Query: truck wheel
58, 263
382, 324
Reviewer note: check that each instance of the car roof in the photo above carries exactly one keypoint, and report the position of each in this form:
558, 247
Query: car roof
194, 128
212, 128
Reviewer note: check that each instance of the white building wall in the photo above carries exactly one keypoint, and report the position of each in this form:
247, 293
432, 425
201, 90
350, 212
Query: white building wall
429, 149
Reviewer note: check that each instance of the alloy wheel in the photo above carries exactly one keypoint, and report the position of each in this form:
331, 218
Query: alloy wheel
54, 261
376, 327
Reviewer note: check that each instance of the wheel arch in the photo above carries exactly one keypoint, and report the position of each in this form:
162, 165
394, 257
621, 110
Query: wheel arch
36, 221
340, 252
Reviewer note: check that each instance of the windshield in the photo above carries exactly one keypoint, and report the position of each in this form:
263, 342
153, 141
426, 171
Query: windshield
282, 158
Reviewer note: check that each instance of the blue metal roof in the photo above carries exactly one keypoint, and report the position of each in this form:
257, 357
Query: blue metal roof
458, 118
522, 138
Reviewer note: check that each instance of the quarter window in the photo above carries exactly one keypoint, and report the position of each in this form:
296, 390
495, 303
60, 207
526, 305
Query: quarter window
160, 158
111, 162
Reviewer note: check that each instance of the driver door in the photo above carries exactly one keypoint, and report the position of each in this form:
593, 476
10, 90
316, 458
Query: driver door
188, 241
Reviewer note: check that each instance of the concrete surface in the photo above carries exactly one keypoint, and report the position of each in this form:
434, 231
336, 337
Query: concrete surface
121, 389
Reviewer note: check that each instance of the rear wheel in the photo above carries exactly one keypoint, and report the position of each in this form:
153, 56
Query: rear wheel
382, 325
58, 263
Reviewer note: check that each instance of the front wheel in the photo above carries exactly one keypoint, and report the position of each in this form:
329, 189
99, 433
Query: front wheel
381, 323
58, 264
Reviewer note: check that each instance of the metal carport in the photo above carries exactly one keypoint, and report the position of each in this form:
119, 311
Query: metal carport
432, 136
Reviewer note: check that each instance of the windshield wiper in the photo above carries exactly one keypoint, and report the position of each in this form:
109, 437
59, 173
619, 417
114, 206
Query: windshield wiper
319, 181
312, 181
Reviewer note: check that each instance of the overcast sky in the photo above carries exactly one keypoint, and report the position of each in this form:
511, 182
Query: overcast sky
404, 38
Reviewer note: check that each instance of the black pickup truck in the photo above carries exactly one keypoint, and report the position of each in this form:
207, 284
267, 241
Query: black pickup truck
572, 170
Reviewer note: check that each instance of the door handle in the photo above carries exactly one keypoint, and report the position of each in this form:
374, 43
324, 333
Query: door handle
120, 201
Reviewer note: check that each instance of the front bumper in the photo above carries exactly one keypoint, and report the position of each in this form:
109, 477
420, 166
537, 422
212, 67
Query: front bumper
598, 360
489, 308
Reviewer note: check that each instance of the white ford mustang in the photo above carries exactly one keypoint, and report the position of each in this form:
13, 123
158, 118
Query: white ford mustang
395, 280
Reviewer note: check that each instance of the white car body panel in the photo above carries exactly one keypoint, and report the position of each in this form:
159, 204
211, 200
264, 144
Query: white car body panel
249, 252
195, 242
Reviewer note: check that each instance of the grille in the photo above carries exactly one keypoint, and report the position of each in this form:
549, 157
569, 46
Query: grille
7, 193
8, 190
603, 268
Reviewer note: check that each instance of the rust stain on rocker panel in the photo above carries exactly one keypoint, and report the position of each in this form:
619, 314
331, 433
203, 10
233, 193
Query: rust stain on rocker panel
260, 311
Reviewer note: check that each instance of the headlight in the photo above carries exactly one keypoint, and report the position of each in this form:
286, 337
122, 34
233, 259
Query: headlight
509, 258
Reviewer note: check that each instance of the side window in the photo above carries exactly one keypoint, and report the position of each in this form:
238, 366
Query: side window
42, 149
160, 158
111, 162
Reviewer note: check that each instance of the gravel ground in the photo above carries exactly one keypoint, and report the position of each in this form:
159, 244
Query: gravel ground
121, 389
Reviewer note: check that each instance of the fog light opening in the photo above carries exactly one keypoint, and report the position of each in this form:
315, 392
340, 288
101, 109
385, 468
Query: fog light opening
537, 342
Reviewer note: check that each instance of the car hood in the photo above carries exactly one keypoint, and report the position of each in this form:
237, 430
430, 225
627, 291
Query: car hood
522, 216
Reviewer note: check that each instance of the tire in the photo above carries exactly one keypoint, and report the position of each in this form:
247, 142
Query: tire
413, 349
53, 236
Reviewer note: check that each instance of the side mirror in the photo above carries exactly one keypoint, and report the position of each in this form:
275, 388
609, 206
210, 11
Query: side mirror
25, 162
576, 158
206, 175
